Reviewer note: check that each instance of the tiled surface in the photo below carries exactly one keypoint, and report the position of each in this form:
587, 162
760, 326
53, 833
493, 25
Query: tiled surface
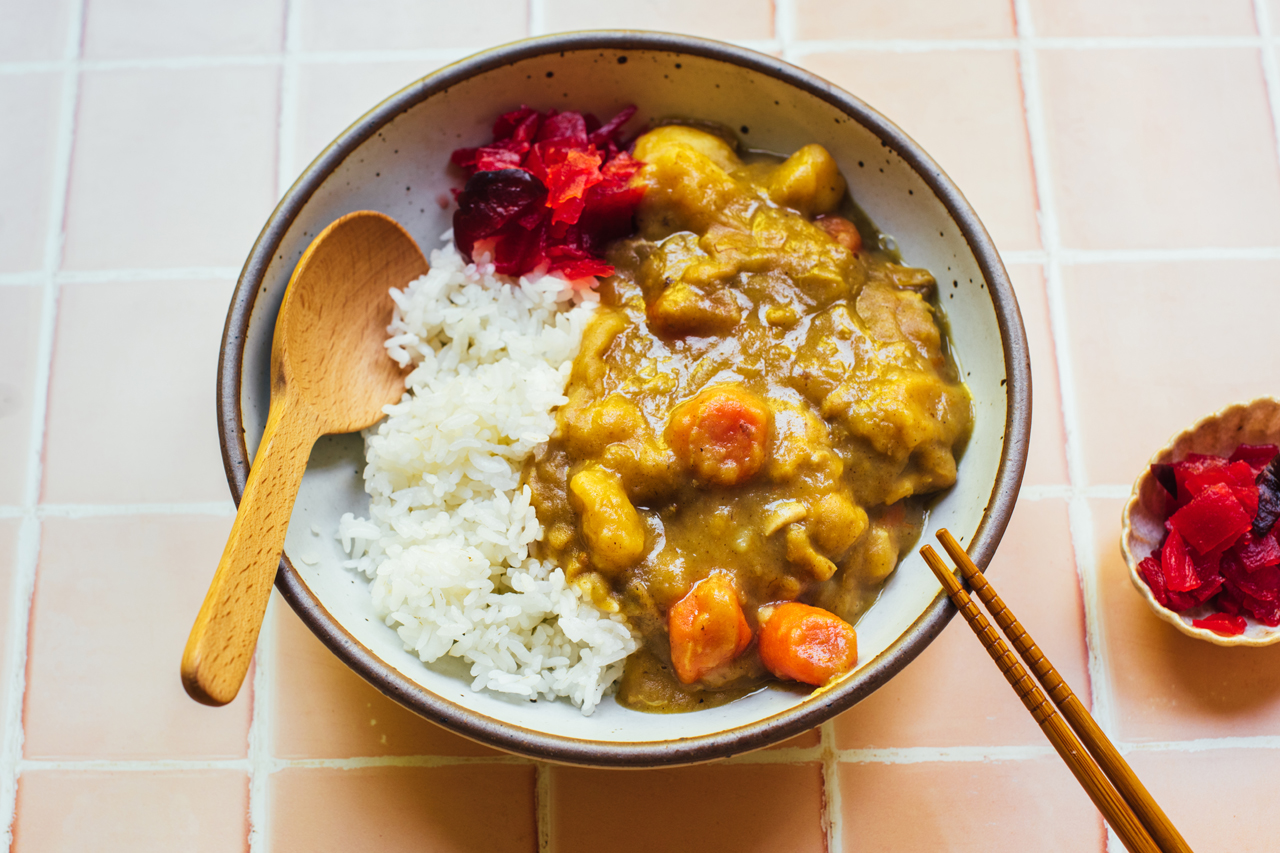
127, 29
1146, 316
1119, 128
201, 811
1144, 18
967, 807
324, 710
817, 20
28, 145
113, 604
446, 809
1122, 154
19, 354
172, 167
725, 807
338, 25
147, 388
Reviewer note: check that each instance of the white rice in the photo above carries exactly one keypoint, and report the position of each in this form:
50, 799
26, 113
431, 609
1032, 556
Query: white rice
447, 541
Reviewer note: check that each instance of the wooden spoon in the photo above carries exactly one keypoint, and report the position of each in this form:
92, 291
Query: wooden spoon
329, 374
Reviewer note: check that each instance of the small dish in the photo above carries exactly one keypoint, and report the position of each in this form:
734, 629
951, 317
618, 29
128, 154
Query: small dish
1142, 528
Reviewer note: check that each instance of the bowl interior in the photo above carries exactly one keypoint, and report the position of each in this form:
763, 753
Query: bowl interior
395, 161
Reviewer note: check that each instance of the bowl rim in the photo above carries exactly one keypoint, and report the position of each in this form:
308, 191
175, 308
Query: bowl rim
566, 750
1134, 503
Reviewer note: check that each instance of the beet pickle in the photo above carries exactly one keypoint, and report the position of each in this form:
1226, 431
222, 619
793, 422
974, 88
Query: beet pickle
549, 193
1222, 547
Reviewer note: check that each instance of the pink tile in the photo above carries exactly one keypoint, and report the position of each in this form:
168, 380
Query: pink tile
172, 167
1143, 18
204, 811
905, 19
965, 108
1219, 799
332, 97
968, 807
405, 25
33, 29
115, 598
1046, 459
1165, 685
115, 29
1154, 351
747, 19
710, 807
28, 140
144, 384
1134, 168
324, 710
461, 809
953, 694
20, 309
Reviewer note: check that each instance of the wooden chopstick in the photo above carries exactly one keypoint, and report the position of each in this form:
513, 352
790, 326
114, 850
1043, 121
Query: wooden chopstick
1144, 805
1087, 773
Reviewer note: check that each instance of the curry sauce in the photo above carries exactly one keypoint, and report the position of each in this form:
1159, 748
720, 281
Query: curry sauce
760, 399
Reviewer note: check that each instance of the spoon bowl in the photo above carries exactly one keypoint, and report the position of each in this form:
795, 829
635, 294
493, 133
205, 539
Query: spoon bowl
330, 373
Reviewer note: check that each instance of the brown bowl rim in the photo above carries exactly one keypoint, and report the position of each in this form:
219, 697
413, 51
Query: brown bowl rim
721, 744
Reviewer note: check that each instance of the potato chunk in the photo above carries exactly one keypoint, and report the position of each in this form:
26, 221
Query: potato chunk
611, 526
707, 628
809, 181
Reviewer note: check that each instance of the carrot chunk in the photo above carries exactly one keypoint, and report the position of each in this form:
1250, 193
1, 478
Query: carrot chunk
707, 628
807, 644
842, 231
721, 434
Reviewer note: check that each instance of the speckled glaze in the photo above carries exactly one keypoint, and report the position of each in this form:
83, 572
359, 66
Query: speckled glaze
394, 159
1142, 528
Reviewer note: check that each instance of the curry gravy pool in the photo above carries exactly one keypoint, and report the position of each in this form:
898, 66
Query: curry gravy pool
758, 406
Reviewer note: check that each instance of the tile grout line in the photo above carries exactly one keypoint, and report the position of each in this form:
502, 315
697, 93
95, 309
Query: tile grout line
832, 806
1079, 514
537, 26
542, 815
259, 763
260, 759
287, 126
537, 22
764, 757
23, 582
784, 28
227, 508
1270, 73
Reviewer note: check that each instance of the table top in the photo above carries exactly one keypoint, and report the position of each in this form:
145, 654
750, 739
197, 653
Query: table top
1122, 154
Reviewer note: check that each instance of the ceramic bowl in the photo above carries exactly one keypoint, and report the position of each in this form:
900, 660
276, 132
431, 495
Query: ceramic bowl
1142, 528
395, 160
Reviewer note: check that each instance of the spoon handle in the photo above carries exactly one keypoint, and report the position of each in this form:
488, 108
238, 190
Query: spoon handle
226, 630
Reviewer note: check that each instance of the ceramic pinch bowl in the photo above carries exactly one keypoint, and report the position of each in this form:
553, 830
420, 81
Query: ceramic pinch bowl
1142, 530
395, 159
